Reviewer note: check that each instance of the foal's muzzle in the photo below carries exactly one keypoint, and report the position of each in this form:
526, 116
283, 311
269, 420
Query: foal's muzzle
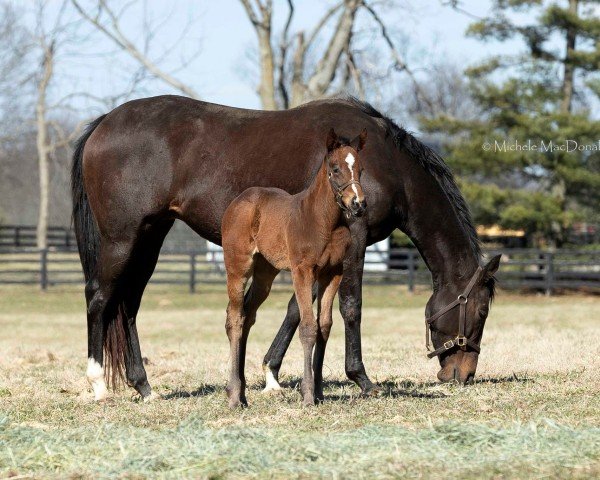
358, 208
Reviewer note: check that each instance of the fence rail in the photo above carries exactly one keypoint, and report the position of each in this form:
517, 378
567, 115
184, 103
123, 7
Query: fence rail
546, 271
17, 236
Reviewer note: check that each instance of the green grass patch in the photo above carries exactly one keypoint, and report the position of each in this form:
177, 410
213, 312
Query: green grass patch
533, 411
193, 450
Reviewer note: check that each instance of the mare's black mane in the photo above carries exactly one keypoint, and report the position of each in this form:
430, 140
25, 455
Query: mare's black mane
433, 164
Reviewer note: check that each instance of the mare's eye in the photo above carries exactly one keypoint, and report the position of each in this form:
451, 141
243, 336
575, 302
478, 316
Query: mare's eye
335, 169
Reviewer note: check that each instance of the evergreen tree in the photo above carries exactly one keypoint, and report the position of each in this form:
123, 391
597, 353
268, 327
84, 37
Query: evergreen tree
515, 162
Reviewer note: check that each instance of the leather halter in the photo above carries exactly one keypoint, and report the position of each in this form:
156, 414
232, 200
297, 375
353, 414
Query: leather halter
460, 340
338, 190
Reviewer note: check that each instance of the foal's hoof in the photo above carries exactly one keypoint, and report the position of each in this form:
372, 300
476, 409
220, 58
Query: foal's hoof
236, 403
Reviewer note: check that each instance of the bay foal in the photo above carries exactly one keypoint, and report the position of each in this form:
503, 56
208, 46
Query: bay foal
266, 230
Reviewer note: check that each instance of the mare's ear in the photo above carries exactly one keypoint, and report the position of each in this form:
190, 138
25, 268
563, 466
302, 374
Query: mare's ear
490, 268
333, 141
359, 142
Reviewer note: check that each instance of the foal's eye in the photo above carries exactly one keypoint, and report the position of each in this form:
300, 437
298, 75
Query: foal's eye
335, 169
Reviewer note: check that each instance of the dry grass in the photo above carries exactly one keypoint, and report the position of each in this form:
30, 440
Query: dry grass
533, 412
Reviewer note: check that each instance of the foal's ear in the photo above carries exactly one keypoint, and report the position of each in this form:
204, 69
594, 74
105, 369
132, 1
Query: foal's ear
333, 141
490, 268
359, 142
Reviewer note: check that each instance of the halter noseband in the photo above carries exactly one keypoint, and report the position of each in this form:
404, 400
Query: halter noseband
338, 191
460, 340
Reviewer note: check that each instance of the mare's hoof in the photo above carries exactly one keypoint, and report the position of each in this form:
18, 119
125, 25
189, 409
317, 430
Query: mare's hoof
151, 397
372, 391
272, 389
271, 382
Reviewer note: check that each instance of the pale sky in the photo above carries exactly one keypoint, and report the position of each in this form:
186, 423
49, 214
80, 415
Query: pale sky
426, 30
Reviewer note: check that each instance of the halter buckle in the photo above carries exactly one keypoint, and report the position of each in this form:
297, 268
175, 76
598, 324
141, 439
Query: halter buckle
461, 341
449, 344
463, 299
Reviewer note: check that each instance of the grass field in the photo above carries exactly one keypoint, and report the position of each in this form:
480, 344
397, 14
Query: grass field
534, 411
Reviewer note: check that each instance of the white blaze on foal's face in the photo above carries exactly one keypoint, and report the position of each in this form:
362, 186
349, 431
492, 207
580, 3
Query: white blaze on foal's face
95, 375
350, 161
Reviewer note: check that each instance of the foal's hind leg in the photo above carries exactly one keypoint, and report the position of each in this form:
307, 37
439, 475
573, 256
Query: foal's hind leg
328, 285
239, 269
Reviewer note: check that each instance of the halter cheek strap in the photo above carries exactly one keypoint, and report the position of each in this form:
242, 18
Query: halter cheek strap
339, 193
460, 340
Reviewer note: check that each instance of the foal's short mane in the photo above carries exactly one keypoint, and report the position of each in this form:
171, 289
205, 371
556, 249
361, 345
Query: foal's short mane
435, 166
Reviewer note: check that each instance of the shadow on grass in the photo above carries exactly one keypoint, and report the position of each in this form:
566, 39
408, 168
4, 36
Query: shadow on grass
507, 379
203, 391
387, 388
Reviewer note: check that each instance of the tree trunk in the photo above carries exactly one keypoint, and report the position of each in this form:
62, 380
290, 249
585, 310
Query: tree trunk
267, 81
569, 69
43, 150
327, 66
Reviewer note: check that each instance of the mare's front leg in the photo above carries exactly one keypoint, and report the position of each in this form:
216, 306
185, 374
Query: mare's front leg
274, 357
304, 279
350, 295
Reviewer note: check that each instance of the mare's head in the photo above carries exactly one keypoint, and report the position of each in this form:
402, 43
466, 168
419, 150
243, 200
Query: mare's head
344, 169
465, 302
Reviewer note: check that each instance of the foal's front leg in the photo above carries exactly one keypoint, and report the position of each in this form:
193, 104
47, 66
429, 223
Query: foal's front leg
304, 279
328, 287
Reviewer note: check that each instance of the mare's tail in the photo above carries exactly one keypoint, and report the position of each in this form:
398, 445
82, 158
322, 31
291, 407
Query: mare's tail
88, 244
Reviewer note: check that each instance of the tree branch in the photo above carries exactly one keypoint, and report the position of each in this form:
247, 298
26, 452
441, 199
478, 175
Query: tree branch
399, 64
116, 35
327, 66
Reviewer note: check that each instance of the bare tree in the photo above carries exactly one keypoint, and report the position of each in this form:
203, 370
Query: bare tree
50, 38
287, 76
301, 84
108, 21
46, 41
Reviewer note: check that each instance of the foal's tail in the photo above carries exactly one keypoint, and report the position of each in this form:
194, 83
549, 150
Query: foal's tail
88, 244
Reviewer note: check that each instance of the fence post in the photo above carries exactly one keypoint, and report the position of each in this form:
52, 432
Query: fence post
192, 272
411, 271
44, 269
17, 237
549, 272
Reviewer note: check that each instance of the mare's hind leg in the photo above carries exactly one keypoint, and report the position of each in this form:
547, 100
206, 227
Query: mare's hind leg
274, 357
139, 271
103, 315
262, 280
328, 285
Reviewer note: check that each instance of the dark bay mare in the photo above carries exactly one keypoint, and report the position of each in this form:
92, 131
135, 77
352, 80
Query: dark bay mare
151, 161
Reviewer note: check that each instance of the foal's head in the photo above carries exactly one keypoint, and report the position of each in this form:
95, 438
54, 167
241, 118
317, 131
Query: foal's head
344, 170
